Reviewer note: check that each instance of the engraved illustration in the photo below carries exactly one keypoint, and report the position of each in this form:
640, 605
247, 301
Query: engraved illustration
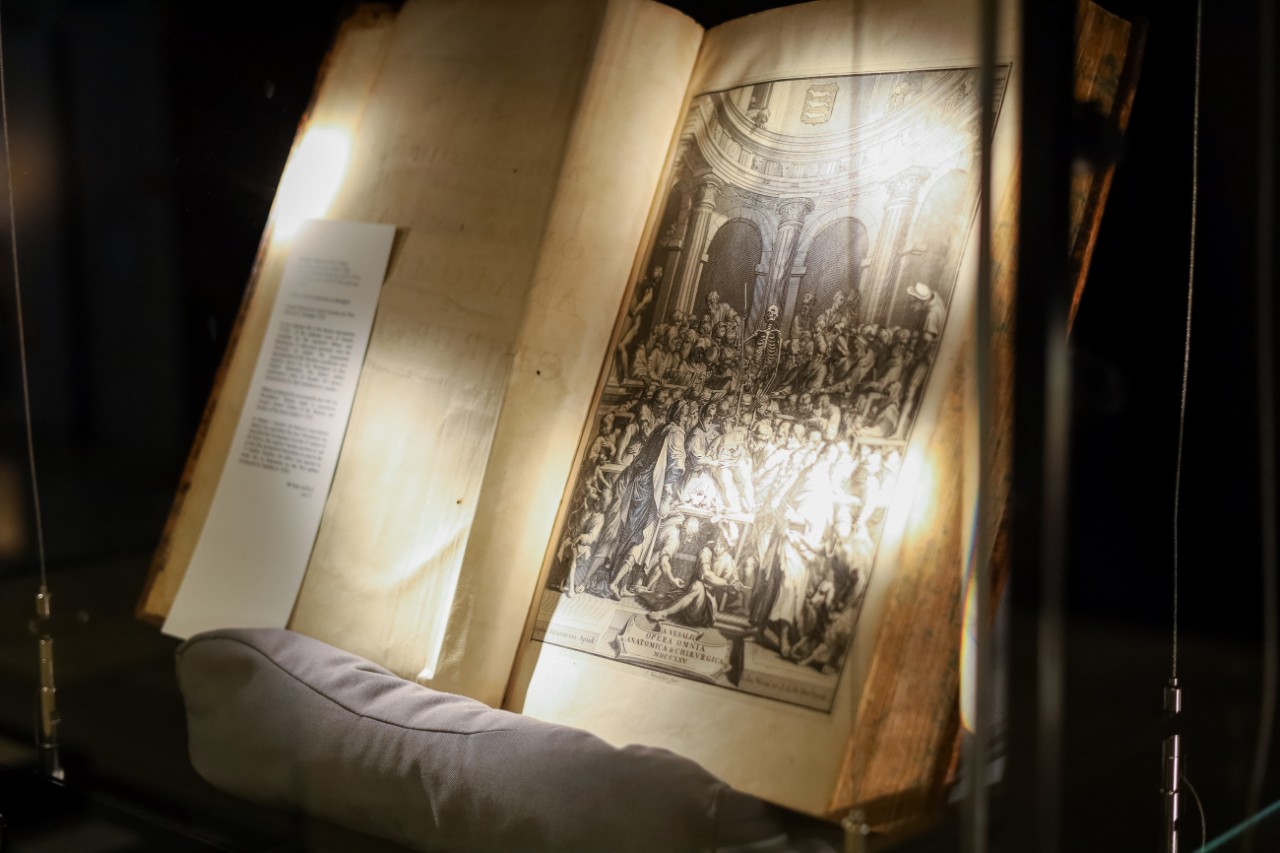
768, 372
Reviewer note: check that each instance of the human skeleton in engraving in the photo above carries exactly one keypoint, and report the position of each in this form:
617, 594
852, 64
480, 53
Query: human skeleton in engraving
765, 351
758, 404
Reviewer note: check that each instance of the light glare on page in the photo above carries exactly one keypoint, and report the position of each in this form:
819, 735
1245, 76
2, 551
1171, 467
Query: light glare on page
311, 179
945, 148
918, 504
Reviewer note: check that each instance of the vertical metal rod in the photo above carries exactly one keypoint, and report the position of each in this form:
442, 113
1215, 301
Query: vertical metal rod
1171, 748
978, 760
48, 729
50, 762
1042, 412
1171, 757
856, 832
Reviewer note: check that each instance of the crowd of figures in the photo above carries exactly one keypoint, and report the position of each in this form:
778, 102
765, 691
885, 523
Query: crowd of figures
739, 478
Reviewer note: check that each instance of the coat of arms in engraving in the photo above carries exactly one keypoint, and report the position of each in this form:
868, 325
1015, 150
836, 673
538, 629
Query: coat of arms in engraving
819, 101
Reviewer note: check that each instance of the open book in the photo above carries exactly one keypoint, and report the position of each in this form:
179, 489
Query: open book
660, 427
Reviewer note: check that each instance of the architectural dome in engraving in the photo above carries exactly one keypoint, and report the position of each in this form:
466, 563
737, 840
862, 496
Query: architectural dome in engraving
836, 132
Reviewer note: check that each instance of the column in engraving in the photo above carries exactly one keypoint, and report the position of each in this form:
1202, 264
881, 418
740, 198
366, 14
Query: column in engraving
695, 241
886, 258
671, 249
792, 212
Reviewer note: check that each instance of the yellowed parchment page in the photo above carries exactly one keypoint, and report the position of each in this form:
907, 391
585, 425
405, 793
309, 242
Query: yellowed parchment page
341, 97
757, 167
629, 109
503, 139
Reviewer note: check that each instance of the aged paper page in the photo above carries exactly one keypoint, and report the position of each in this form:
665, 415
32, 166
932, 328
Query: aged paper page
628, 112
339, 102
463, 145
716, 575
257, 538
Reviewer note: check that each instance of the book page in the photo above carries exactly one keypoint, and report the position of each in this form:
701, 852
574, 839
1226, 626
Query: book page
759, 446
257, 538
500, 141
338, 103
629, 109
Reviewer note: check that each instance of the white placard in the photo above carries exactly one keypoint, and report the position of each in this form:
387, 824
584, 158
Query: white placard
257, 539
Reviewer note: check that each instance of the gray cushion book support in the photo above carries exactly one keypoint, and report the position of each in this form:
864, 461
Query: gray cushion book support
283, 719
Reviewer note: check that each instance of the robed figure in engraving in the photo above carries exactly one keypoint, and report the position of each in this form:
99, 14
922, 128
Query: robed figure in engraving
653, 477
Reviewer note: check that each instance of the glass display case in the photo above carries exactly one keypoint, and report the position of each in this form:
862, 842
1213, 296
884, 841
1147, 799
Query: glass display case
146, 142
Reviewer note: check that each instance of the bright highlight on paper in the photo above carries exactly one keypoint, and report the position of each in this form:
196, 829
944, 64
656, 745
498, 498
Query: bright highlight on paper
257, 539
311, 180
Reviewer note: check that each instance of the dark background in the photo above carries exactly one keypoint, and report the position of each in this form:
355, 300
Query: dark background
147, 139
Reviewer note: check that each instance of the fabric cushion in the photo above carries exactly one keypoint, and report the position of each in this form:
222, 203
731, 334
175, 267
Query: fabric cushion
284, 719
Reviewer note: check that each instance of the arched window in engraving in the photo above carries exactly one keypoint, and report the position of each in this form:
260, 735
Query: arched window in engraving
732, 258
833, 265
936, 242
